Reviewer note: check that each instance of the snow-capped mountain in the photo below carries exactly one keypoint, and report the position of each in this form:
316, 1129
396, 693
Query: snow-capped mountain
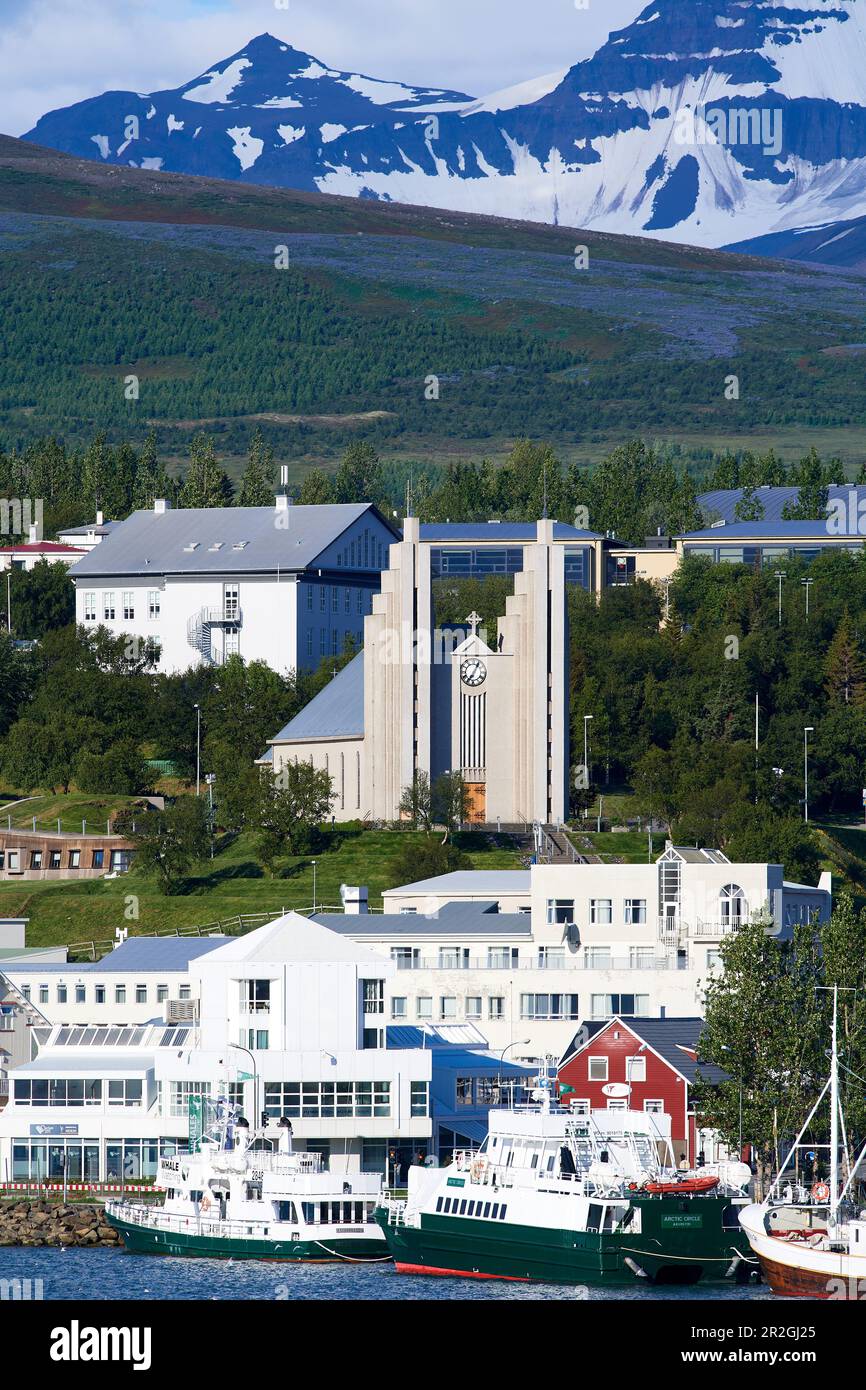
268, 114
703, 121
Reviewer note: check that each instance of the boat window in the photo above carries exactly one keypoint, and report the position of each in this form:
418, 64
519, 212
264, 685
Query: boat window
495, 1211
309, 1210
285, 1211
594, 1216
535, 1160
439, 1204
609, 1218
730, 1219
502, 1211
463, 1208
486, 1209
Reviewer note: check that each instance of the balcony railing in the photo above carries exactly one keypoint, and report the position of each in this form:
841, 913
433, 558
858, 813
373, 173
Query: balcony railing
568, 963
675, 929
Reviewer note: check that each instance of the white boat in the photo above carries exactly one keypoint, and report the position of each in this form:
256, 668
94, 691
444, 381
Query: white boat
232, 1200
559, 1196
813, 1244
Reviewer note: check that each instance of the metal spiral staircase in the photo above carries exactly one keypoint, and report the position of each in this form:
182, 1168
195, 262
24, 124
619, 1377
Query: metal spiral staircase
200, 625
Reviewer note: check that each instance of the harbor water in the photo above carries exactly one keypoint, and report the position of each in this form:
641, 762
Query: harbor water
50, 1273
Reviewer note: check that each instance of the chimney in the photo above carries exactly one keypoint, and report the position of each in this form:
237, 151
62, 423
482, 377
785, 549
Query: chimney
99, 518
355, 900
160, 505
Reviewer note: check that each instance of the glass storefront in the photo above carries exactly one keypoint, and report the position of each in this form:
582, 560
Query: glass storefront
42, 1160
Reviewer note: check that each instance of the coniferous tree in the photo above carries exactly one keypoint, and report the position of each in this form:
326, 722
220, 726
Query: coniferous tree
205, 483
844, 667
257, 484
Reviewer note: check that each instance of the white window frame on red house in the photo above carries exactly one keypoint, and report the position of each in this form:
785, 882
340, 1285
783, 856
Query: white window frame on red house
590, 1061
630, 1064
654, 1107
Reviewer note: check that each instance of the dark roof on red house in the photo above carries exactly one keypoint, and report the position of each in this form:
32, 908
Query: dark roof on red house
675, 1040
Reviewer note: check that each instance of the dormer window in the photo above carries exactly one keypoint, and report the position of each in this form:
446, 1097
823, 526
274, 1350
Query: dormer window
240, 545
217, 545
193, 545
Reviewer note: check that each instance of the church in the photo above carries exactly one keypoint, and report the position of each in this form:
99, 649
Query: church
423, 698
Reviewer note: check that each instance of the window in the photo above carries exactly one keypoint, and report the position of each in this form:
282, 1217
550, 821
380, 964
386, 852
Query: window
80, 994
641, 957
256, 996
635, 911
635, 1069
327, 1100
464, 1090
448, 1006
61, 994
153, 604
598, 1068
348, 600
424, 1006
75, 858
560, 911
309, 598
128, 605
124, 1092
548, 1006
43, 994
99, 994
714, 958
141, 994
120, 994
374, 996
405, 957
61, 1092
453, 957
604, 1005
54, 860
654, 1107
501, 957
496, 1006
90, 608
36, 859
108, 605
597, 957
98, 857
335, 642
360, 600
373, 1038
231, 602
256, 1039
733, 906
161, 993
473, 1006
398, 1006
179, 1093
322, 599
601, 911
551, 957
184, 992
323, 639
335, 599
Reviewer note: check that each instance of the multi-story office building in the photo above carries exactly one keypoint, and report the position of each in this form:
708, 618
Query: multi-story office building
528, 955
286, 585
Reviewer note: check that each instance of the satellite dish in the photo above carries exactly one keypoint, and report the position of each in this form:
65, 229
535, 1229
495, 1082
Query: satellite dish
617, 1090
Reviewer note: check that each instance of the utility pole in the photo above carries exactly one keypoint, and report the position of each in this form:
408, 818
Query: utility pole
806, 732
197, 709
807, 584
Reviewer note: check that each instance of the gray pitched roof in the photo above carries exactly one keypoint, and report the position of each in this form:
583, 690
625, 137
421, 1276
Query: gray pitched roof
492, 881
336, 712
666, 1036
723, 501
169, 953
508, 532
151, 543
452, 919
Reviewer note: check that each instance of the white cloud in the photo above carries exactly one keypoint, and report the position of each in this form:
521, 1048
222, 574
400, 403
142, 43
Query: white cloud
55, 52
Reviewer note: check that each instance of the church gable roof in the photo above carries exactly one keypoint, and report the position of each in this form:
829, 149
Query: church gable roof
336, 712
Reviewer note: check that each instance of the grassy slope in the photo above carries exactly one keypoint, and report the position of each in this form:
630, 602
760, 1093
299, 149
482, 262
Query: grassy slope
234, 883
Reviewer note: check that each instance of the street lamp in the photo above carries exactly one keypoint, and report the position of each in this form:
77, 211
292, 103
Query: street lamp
314, 885
780, 575
197, 709
524, 1042
806, 732
807, 583
210, 778
239, 1047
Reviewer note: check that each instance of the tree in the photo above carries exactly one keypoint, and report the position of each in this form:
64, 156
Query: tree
750, 507
205, 484
291, 805
359, 476
415, 802
120, 769
655, 785
449, 802
317, 489
42, 599
169, 842
426, 860
258, 481
844, 667
757, 835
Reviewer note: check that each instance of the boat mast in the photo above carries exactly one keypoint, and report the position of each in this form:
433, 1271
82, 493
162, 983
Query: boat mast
834, 1117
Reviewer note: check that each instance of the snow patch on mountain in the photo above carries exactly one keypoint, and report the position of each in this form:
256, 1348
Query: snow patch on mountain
246, 147
522, 95
218, 85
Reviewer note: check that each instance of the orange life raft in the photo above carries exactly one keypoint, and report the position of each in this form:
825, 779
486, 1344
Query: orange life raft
684, 1185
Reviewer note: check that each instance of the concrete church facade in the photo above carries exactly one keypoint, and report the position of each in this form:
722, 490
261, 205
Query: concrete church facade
418, 699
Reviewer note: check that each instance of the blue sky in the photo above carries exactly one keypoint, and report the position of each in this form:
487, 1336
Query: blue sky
54, 52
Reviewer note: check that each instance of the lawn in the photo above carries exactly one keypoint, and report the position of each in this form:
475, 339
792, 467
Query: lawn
627, 847
72, 810
233, 883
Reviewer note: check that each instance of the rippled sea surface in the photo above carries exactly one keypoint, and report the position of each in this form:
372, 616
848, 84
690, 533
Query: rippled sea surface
113, 1274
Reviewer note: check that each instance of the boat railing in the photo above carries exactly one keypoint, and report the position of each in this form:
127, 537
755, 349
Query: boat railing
157, 1219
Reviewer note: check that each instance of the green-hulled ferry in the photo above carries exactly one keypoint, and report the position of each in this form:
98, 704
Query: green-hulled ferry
567, 1198
233, 1200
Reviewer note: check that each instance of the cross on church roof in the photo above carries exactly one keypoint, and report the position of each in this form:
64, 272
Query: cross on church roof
474, 622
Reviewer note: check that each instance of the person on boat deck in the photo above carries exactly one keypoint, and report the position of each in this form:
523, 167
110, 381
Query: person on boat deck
683, 1164
285, 1128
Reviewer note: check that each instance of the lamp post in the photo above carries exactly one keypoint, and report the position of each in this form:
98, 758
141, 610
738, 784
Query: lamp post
239, 1047
806, 732
314, 885
9, 600
210, 779
197, 709
587, 718
780, 575
807, 584
523, 1042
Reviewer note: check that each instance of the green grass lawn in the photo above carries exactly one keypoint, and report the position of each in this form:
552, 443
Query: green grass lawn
71, 809
629, 847
70, 912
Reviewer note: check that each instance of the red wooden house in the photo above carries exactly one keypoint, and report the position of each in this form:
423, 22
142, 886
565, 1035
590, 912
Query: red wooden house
640, 1064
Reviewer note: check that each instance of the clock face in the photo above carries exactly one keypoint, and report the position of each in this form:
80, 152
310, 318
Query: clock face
473, 671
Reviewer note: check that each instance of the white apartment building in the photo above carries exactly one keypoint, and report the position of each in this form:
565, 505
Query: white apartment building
528, 956
289, 1020
282, 584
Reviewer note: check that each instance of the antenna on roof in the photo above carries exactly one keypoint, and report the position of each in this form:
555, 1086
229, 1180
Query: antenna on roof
284, 475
